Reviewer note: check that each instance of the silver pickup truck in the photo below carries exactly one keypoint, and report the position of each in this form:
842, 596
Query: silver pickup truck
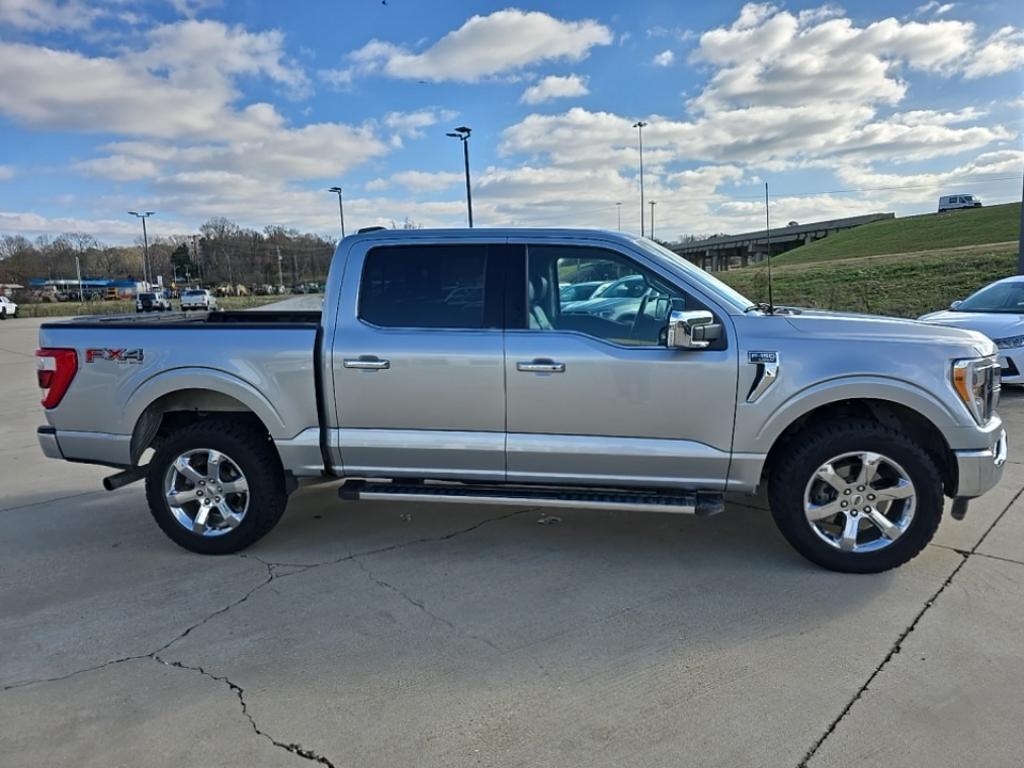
459, 366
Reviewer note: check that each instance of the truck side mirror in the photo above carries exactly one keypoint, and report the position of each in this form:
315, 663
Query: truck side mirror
955, 304
695, 329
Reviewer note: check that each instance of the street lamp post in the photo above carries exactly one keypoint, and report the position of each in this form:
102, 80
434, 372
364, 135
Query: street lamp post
341, 208
145, 243
618, 209
652, 204
640, 125
462, 134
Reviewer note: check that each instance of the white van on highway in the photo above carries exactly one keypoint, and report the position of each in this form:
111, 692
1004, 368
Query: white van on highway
952, 202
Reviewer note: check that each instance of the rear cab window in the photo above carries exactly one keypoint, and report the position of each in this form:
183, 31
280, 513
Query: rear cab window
431, 286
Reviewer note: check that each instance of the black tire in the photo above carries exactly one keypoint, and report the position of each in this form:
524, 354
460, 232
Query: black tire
3, 313
254, 454
792, 471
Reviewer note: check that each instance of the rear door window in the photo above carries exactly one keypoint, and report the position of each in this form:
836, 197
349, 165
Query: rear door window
426, 286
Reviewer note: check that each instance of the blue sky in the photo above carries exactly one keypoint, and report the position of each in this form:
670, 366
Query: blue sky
251, 109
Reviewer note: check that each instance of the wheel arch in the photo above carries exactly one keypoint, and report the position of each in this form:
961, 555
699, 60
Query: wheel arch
181, 397
890, 413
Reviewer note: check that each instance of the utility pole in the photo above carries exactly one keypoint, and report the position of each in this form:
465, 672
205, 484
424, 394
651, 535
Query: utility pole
78, 269
652, 204
341, 208
462, 134
145, 243
640, 125
195, 257
618, 208
1020, 242
280, 277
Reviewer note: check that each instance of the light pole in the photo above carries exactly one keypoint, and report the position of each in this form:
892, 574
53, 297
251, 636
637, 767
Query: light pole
78, 269
341, 208
462, 134
652, 204
145, 243
618, 208
640, 125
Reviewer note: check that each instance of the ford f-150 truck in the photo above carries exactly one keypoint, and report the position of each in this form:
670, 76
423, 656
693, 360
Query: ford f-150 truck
442, 368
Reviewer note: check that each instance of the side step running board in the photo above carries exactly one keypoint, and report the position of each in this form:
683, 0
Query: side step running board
688, 503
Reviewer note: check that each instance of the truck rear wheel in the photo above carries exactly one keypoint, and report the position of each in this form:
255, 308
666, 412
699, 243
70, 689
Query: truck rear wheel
856, 496
216, 486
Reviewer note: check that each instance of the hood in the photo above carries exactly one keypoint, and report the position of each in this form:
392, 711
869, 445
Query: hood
995, 325
857, 327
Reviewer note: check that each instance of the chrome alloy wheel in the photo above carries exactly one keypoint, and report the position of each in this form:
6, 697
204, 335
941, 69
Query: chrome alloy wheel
859, 502
206, 492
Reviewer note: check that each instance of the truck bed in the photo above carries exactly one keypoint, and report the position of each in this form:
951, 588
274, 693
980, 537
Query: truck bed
189, 320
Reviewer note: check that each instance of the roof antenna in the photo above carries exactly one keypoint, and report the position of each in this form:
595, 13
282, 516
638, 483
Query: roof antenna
768, 232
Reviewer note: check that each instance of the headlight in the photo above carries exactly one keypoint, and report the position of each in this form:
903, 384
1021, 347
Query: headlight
1010, 342
976, 381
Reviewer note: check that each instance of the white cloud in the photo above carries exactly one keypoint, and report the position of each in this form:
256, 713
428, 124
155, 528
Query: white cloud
118, 168
664, 59
337, 79
1002, 52
411, 124
934, 7
555, 87
6, 172
420, 181
502, 42
45, 15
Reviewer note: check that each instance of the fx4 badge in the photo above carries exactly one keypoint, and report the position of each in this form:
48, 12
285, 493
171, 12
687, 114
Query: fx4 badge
126, 356
768, 367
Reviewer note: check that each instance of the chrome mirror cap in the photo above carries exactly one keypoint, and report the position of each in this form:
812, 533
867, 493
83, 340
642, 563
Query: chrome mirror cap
695, 329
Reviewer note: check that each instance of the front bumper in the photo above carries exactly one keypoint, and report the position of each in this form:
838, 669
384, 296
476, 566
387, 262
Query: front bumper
1011, 366
980, 471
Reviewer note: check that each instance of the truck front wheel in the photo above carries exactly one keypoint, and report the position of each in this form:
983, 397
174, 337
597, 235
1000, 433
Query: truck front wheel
216, 486
856, 496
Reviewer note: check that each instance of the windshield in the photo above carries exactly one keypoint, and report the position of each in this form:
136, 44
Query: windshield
713, 285
998, 297
193, 293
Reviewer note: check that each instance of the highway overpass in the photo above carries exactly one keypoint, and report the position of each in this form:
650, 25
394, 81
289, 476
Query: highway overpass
728, 251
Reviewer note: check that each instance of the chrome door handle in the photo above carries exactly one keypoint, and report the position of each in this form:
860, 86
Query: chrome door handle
540, 366
367, 363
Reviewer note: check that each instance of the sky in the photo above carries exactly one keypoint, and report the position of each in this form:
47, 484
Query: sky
251, 110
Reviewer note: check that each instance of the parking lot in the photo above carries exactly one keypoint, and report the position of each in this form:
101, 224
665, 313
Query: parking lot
381, 635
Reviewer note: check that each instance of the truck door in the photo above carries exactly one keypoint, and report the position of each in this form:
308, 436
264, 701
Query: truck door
418, 362
594, 393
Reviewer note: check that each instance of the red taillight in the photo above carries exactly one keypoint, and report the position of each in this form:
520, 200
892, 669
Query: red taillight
55, 370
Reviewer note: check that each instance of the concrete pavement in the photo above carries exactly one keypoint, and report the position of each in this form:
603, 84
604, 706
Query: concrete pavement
376, 634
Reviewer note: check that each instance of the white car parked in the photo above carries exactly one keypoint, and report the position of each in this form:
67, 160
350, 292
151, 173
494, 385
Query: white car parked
198, 298
7, 308
997, 310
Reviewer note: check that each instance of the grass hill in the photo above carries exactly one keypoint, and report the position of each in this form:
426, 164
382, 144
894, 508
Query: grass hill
969, 227
903, 284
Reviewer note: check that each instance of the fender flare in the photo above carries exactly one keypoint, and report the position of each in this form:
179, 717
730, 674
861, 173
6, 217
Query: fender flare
178, 379
880, 388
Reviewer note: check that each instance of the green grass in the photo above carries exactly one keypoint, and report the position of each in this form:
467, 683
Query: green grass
973, 226
76, 309
905, 285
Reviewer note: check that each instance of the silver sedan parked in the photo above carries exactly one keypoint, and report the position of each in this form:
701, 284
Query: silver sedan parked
997, 310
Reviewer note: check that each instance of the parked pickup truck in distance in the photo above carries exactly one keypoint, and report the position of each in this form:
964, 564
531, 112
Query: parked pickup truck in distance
444, 367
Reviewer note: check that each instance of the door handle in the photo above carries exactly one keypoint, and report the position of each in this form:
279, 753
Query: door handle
367, 363
540, 365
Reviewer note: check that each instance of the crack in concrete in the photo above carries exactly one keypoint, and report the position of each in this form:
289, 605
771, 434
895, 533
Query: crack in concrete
271, 576
897, 646
967, 552
295, 749
422, 606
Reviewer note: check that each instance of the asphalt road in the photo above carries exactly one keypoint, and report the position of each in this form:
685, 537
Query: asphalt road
383, 635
